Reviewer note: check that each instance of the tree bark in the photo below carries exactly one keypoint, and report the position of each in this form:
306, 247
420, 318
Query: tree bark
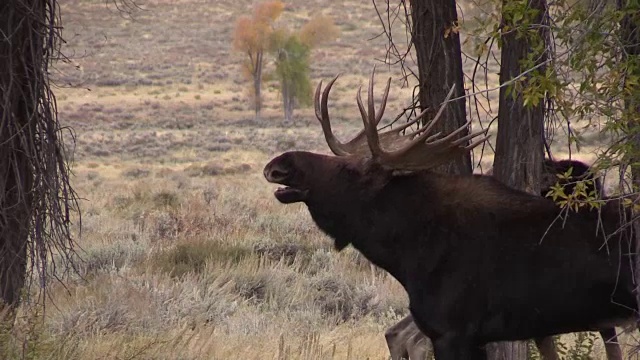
437, 45
16, 115
519, 143
439, 57
630, 31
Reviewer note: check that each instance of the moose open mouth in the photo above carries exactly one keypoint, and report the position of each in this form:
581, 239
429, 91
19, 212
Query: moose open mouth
288, 195
281, 172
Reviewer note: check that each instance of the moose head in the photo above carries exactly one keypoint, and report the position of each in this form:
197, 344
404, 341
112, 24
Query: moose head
369, 160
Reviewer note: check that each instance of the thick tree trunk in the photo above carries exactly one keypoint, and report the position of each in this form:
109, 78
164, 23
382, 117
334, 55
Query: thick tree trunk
16, 115
437, 45
14, 225
519, 143
630, 28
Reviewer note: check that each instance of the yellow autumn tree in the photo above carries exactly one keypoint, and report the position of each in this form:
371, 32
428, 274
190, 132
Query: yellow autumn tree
318, 30
292, 52
251, 36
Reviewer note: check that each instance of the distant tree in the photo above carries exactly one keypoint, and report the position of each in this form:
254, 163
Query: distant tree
292, 52
318, 31
292, 70
252, 36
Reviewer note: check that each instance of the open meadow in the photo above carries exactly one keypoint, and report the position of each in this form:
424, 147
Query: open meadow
184, 252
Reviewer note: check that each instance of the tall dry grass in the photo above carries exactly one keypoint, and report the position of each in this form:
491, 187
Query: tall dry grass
175, 266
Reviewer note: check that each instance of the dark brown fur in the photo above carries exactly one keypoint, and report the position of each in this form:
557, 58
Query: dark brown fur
579, 172
481, 262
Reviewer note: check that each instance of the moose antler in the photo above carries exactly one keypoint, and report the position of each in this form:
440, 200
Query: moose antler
413, 151
425, 150
356, 145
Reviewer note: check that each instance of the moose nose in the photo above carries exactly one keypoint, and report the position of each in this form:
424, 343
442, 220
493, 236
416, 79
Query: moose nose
274, 173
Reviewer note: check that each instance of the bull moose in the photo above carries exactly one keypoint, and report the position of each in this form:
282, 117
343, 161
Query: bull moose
404, 339
480, 262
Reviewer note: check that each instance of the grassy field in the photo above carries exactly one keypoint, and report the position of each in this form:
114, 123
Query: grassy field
185, 253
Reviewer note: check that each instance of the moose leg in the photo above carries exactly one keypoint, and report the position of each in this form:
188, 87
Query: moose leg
419, 347
397, 338
611, 345
406, 341
451, 347
547, 348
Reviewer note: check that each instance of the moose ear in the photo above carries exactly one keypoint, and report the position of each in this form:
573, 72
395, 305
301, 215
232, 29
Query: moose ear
376, 176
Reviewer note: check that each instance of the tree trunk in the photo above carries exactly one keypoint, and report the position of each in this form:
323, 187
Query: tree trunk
17, 118
257, 84
630, 31
14, 224
519, 143
289, 109
287, 101
437, 47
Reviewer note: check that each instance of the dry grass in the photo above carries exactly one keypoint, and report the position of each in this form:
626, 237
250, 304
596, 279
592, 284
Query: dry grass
209, 266
186, 253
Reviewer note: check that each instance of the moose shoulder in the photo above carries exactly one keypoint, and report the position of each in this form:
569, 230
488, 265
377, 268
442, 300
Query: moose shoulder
480, 261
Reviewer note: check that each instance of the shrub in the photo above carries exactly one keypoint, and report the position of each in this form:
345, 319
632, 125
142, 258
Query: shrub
192, 257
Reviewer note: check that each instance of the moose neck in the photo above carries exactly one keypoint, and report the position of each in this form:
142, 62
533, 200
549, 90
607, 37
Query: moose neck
377, 227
